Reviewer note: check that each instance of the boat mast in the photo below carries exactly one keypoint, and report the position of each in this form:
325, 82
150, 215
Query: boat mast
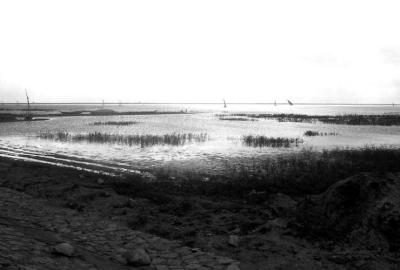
28, 113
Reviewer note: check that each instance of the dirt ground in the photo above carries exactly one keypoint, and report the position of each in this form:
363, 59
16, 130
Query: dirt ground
280, 232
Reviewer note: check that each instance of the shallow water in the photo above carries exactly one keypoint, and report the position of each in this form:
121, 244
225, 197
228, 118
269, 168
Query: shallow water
19, 139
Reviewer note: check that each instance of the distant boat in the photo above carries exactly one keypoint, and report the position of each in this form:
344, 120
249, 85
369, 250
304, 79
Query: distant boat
290, 103
28, 116
275, 103
224, 104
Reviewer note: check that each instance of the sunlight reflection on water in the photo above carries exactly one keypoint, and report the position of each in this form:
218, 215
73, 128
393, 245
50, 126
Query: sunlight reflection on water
224, 142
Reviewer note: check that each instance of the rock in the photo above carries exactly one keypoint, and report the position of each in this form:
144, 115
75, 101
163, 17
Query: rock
236, 231
120, 256
233, 240
233, 266
365, 208
225, 261
138, 257
64, 249
100, 181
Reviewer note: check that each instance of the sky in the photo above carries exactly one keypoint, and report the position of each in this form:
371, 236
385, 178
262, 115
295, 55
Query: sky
200, 51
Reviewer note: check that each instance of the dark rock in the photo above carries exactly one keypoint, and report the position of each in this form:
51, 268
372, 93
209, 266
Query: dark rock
364, 209
100, 181
137, 257
233, 240
233, 266
64, 249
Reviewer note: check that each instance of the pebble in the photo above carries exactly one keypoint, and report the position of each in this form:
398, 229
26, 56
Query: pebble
100, 181
138, 257
233, 267
233, 240
64, 249
107, 239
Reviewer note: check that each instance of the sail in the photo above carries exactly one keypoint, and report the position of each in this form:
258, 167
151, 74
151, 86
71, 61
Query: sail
290, 103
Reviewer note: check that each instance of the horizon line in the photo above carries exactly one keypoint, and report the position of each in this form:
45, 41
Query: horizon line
194, 103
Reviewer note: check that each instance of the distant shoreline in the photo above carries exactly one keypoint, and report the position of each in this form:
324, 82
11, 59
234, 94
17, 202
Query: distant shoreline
204, 103
8, 117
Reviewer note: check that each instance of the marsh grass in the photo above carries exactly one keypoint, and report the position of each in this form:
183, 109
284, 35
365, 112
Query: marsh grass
263, 141
114, 123
311, 133
298, 174
175, 139
346, 119
236, 119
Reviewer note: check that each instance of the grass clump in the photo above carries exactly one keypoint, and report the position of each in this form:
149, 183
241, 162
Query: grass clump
236, 119
175, 139
263, 141
311, 133
115, 123
301, 174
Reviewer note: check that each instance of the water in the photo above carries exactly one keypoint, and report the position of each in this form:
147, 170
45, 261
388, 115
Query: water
221, 152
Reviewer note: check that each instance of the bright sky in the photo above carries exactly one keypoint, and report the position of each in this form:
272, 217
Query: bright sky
200, 51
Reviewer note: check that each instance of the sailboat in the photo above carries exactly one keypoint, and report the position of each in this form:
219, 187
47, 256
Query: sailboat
28, 116
224, 104
290, 103
275, 103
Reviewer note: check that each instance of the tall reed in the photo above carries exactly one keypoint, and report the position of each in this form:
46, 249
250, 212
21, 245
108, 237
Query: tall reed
115, 123
346, 119
263, 141
142, 140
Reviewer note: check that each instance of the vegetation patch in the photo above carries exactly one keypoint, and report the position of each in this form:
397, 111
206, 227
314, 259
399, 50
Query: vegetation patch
311, 133
346, 119
263, 141
236, 119
115, 123
176, 139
